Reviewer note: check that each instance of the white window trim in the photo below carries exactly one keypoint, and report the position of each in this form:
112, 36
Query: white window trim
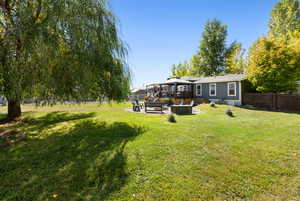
198, 94
234, 88
240, 92
210, 86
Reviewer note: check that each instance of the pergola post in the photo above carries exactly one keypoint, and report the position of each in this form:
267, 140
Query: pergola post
160, 89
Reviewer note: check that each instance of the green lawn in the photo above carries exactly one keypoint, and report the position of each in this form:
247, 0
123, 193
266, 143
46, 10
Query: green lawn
91, 152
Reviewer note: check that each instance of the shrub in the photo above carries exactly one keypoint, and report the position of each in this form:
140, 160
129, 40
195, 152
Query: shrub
171, 118
229, 112
212, 104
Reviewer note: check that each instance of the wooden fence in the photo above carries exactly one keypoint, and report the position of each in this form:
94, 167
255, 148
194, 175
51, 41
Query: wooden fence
273, 101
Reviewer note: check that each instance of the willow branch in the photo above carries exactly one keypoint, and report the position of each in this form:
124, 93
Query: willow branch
38, 11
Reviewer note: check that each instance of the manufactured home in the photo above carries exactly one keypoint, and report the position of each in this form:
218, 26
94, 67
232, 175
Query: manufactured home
220, 89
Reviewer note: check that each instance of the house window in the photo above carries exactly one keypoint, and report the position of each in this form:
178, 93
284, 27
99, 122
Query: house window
199, 90
231, 89
213, 89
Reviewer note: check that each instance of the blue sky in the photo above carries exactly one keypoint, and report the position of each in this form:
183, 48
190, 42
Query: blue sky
163, 32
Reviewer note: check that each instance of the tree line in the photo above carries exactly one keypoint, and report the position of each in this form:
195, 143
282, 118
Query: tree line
272, 63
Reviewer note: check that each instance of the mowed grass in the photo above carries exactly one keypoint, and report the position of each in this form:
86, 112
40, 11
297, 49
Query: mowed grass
92, 152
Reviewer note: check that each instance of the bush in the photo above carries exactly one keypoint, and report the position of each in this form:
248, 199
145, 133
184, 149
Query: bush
171, 118
229, 112
212, 104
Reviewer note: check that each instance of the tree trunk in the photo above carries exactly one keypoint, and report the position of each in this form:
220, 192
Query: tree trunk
14, 109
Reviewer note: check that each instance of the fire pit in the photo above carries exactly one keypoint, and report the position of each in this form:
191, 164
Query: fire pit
182, 109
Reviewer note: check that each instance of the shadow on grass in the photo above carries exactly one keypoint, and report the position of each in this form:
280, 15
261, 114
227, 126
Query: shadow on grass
49, 119
86, 162
52, 118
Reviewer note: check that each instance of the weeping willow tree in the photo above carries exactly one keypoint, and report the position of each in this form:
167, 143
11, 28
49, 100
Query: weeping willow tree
59, 50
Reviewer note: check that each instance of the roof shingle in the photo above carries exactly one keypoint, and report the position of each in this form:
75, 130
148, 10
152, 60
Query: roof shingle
223, 78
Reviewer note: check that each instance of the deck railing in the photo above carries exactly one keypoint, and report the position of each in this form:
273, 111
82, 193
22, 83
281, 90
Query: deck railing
178, 94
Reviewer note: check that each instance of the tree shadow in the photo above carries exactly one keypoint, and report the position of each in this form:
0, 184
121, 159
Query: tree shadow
53, 118
49, 119
87, 162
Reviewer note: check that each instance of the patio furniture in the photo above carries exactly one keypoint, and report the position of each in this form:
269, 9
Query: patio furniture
154, 105
182, 109
136, 107
192, 103
139, 104
181, 102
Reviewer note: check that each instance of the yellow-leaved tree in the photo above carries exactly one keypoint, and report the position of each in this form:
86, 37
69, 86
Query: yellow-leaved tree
274, 64
235, 62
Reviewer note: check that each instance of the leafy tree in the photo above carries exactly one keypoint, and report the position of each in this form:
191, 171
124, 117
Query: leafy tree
55, 50
274, 64
285, 18
181, 69
235, 61
210, 59
196, 65
294, 45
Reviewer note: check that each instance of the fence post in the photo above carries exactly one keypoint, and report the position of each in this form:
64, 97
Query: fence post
275, 101
276, 98
272, 106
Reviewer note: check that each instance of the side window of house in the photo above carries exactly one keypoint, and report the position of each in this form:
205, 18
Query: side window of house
199, 89
231, 89
213, 89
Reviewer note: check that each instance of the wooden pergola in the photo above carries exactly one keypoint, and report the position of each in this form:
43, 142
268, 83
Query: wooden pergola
172, 88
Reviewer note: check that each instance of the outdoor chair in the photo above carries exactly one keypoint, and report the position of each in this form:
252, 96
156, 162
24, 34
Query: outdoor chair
136, 107
192, 103
139, 104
